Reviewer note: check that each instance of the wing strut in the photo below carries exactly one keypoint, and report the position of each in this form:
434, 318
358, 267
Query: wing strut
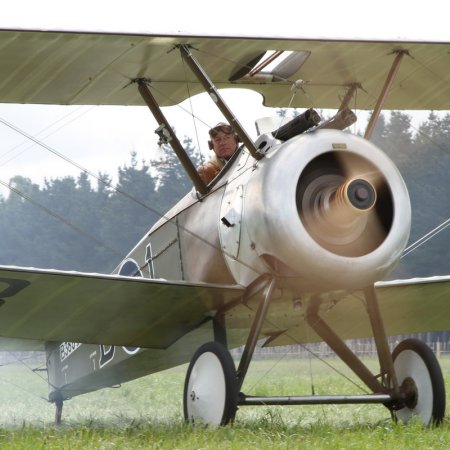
167, 135
383, 94
216, 97
349, 95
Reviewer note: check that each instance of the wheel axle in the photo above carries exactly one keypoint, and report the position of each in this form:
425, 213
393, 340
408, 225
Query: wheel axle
245, 400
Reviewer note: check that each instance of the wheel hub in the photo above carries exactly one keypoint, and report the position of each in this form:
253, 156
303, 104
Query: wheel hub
409, 390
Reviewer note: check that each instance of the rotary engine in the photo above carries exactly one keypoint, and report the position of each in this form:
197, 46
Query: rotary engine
327, 208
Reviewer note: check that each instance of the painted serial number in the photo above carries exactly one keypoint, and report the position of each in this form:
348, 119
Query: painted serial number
66, 349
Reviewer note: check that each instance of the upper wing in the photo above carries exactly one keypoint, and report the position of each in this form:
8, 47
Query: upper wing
91, 68
90, 308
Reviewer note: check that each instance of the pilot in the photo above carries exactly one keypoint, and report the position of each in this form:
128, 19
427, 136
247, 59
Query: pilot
224, 141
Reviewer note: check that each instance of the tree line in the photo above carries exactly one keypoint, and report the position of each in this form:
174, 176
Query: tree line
87, 224
76, 223
422, 155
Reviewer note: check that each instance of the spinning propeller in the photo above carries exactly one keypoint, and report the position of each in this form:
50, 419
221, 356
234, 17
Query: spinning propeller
344, 203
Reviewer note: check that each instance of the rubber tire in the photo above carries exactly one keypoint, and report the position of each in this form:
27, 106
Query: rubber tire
210, 389
413, 359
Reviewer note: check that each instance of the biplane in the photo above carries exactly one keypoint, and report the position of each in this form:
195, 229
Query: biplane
288, 244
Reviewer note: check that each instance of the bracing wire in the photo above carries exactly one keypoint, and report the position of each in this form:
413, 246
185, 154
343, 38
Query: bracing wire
311, 374
22, 361
194, 122
28, 391
442, 226
18, 386
50, 133
411, 248
130, 197
274, 326
425, 238
115, 188
407, 251
57, 216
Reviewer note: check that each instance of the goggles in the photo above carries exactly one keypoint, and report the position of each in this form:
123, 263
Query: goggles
220, 127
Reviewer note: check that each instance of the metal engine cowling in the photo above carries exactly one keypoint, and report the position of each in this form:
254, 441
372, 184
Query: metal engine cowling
330, 207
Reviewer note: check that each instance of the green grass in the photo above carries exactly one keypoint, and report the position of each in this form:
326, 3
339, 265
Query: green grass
147, 413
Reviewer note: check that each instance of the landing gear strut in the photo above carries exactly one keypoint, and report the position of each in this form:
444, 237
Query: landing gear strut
410, 382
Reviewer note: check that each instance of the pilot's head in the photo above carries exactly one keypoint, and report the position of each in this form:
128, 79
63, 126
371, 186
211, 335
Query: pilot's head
224, 141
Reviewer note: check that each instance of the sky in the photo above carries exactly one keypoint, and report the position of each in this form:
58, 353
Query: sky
101, 139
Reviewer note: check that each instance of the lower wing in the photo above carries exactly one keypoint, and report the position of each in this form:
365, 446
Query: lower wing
407, 306
42, 305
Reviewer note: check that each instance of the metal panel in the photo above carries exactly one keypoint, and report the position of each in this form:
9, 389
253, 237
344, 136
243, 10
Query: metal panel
165, 252
231, 217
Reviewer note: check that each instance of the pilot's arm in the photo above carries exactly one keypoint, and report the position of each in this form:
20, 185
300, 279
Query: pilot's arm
210, 169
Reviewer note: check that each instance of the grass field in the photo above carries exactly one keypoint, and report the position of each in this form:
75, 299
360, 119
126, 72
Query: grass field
147, 413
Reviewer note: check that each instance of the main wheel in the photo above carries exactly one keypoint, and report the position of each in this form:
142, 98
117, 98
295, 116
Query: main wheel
420, 378
210, 389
